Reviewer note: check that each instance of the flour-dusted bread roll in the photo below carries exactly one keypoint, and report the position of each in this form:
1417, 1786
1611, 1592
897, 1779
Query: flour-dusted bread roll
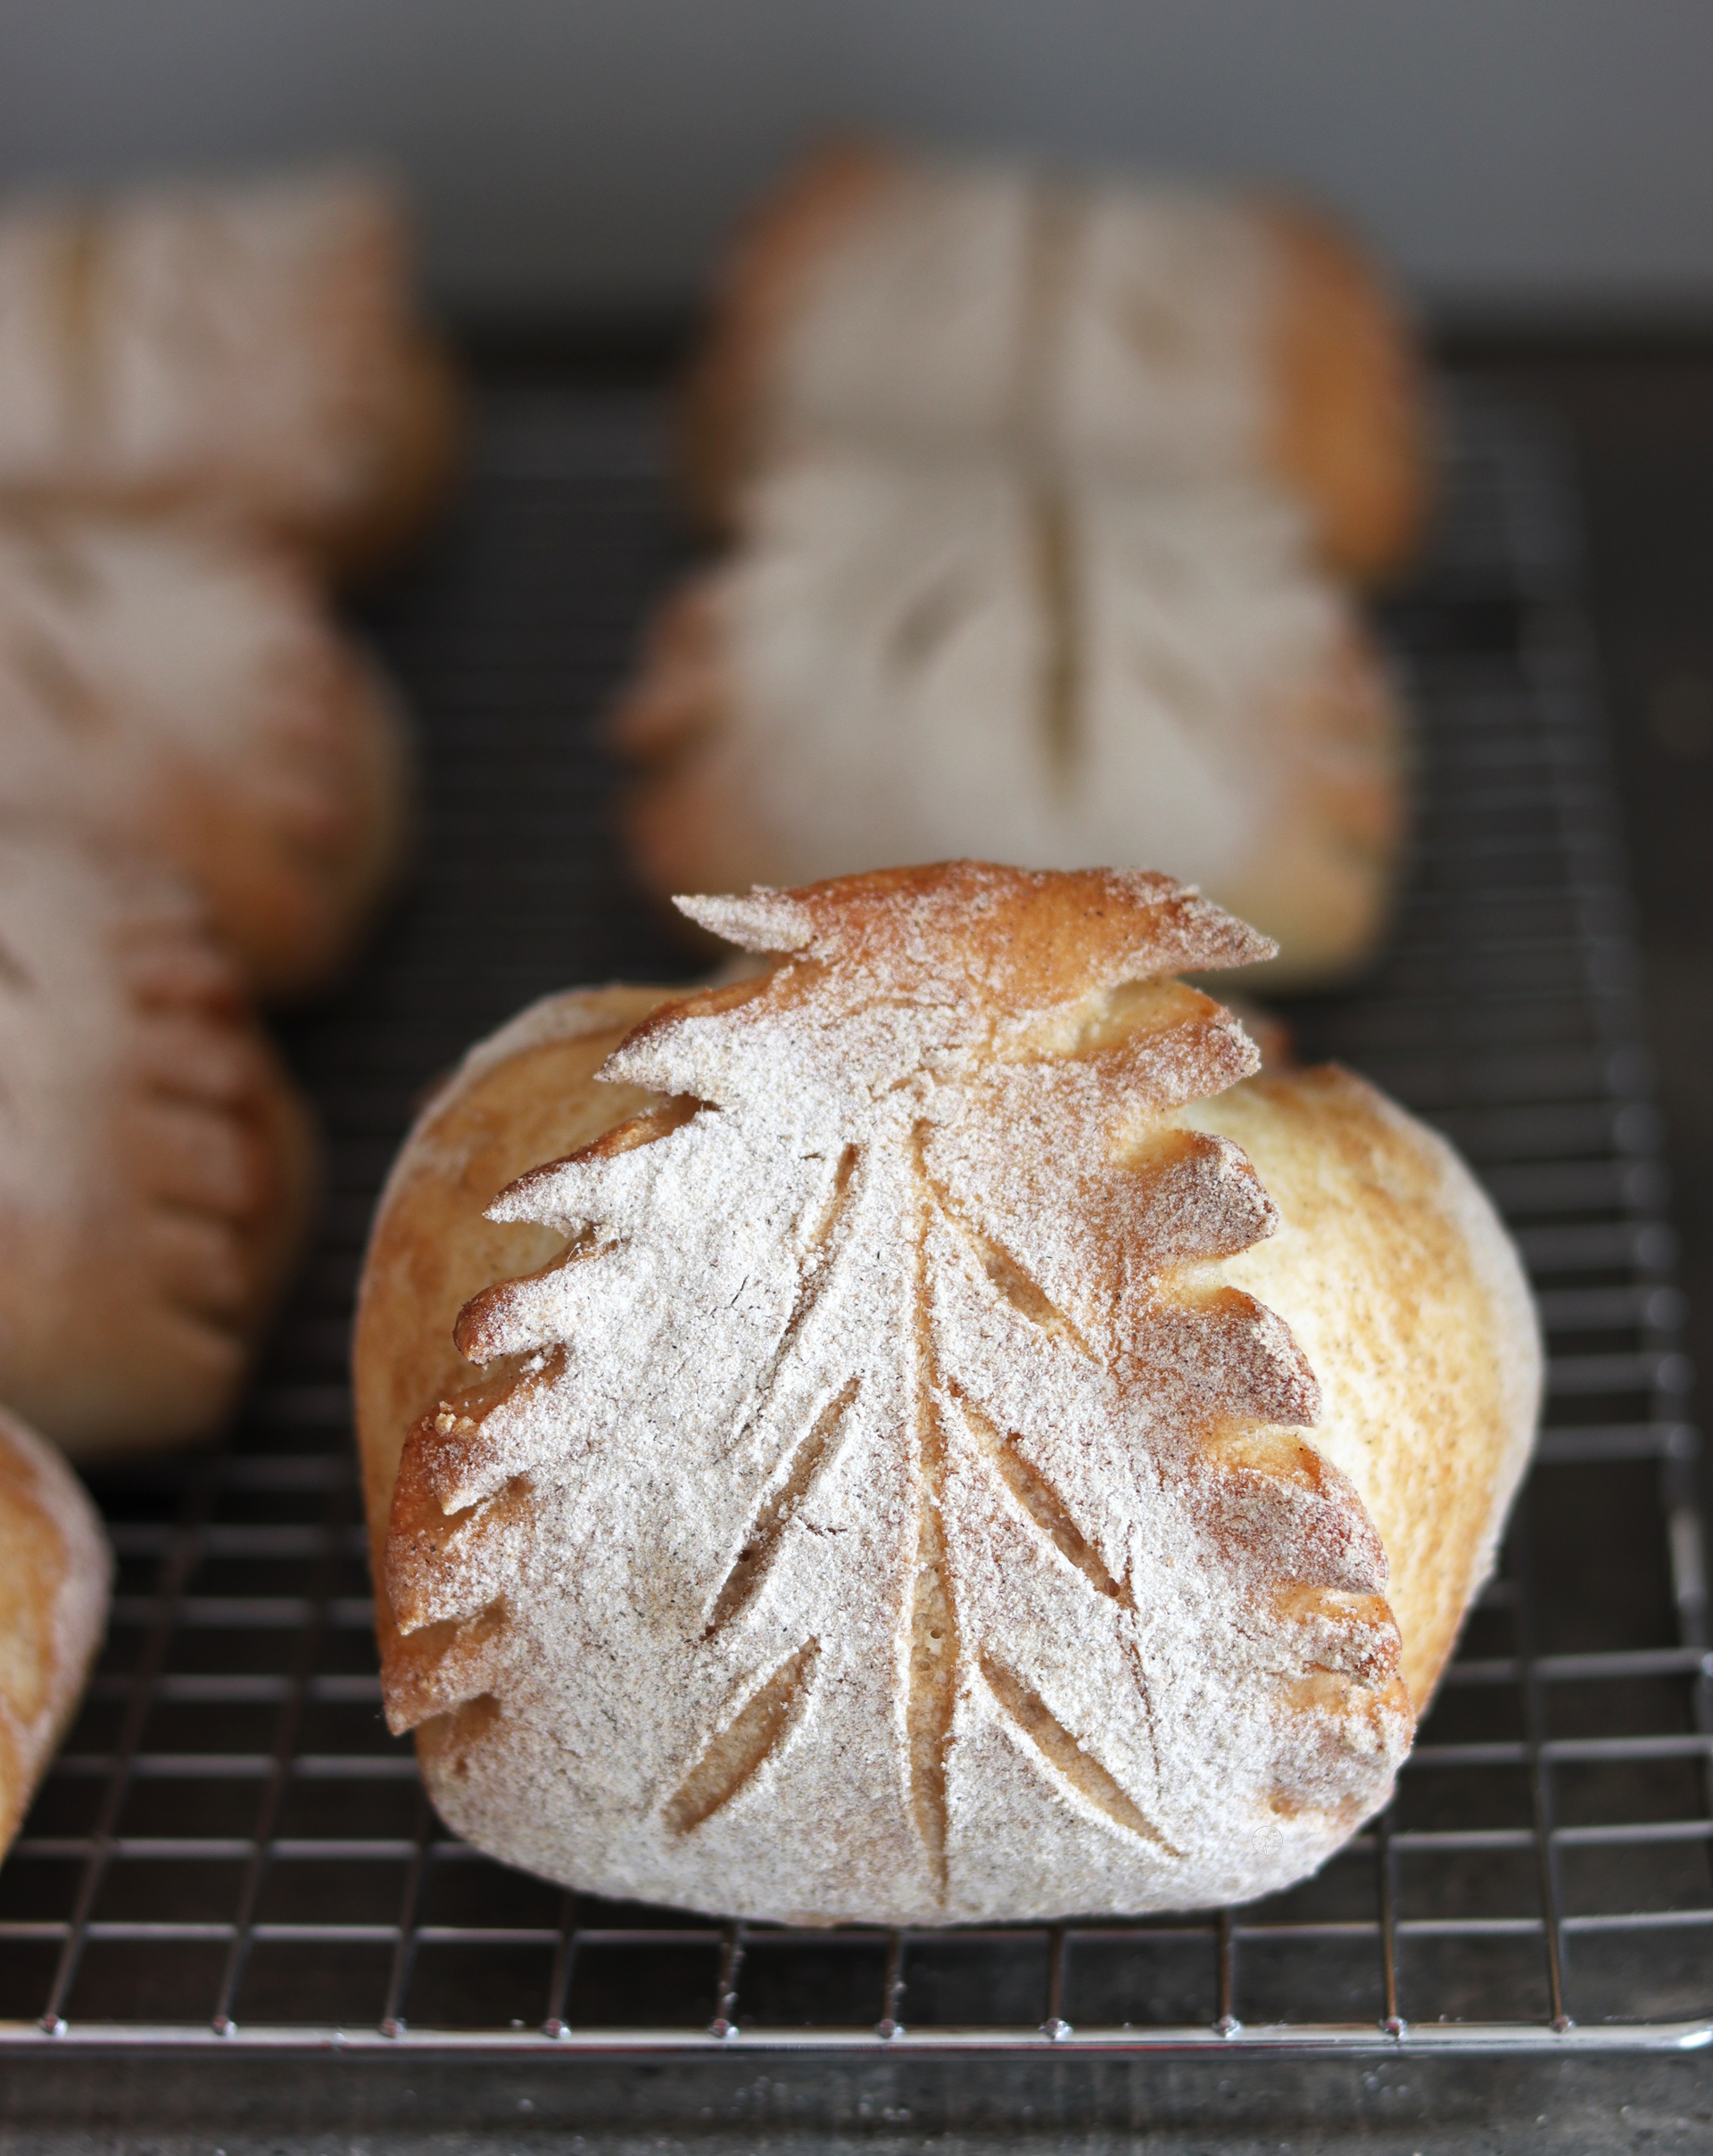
943, 307
254, 346
55, 1569
155, 1163
184, 690
902, 666
945, 1446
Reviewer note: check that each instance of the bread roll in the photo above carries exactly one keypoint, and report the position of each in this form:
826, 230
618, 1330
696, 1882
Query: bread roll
55, 1569
902, 666
886, 1498
155, 1163
945, 309
253, 345
182, 691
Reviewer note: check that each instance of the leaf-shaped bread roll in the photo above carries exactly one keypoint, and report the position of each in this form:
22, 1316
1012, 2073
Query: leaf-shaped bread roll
936, 309
908, 665
155, 1163
884, 1498
183, 691
250, 346
55, 1567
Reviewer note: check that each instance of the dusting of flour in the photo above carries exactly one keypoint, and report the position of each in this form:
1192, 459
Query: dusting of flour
882, 1511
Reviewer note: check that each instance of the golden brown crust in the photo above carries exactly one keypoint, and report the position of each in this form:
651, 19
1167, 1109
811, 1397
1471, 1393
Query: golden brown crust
32, 1564
54, 1569
758, 288
430, 1248
1349, 416
1400, 1285
1023, 939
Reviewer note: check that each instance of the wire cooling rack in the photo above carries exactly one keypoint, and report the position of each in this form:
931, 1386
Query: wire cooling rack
231, 1849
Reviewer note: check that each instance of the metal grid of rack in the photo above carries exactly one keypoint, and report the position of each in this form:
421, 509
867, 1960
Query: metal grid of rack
231, 1848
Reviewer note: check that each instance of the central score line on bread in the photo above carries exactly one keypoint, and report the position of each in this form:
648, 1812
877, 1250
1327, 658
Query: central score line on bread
951, 1442
909, 662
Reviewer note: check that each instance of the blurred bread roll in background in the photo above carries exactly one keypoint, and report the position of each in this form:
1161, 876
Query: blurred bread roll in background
908, 665
941, 309
156, 1164
184, 690
55, 1569
255, 344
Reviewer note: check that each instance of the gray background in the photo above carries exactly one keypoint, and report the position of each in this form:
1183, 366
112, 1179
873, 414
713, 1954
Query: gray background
1544, 154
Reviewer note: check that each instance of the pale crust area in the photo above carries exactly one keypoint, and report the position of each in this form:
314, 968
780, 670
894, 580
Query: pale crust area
251, 348
1342, 415
55, 1568
158, 1165
470, 1507
1391, 1269
527, 1096
181, 689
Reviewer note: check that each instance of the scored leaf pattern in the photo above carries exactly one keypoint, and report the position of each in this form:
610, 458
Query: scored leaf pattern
881, 1509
